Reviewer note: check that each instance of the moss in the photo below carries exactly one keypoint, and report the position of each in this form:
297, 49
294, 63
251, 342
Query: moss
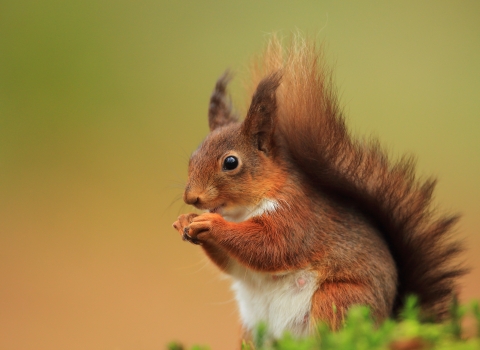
360, 333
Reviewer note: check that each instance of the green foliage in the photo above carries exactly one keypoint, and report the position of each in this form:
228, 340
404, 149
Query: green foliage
476, 314
260, 335
457, 312
360, 333
175, 346
178, 346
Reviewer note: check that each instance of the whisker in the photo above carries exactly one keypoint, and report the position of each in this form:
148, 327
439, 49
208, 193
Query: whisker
182, 208
174, 200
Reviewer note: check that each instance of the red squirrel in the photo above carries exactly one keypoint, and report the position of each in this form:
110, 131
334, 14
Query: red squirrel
305, 219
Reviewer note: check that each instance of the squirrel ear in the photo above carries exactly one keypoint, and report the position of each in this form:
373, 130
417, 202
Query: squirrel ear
260, 121
220, 108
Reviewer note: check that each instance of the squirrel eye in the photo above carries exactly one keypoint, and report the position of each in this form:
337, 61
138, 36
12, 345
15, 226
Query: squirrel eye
230, 163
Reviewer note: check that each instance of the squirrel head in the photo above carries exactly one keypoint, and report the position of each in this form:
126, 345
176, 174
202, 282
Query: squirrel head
235, 168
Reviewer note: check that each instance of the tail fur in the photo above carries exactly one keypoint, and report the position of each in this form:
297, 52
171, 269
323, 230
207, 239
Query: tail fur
399, 204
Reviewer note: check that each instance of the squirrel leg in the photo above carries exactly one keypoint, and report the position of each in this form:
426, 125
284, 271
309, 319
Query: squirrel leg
218, 256
256, 243
332, 300
215, 253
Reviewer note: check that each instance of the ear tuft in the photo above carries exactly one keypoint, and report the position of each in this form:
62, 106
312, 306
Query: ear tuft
259, 125
220, 108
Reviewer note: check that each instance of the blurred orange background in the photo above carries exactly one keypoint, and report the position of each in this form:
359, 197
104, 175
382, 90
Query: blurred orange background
101, 104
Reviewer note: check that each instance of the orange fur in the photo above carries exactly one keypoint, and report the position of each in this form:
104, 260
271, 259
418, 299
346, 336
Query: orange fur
304, 196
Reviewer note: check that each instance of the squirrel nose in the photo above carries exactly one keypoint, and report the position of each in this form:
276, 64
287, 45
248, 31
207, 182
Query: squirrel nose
190, 198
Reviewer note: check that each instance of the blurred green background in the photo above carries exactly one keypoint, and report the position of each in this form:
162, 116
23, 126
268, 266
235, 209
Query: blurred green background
101, 103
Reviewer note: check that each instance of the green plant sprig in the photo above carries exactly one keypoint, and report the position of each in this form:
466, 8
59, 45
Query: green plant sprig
360, 332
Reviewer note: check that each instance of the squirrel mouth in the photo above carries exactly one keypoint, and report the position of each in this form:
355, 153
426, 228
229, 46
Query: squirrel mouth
216, 209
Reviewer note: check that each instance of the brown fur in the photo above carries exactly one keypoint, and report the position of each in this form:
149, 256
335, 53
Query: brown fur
362, 222
360, 172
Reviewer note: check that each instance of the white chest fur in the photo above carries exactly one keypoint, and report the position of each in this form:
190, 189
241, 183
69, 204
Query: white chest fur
283, 301
242, 213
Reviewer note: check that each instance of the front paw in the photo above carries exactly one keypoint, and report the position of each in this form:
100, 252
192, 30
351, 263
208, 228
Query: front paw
202, 227
182, 223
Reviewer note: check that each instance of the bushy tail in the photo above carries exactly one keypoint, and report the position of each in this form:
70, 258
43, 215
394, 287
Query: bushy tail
313, 127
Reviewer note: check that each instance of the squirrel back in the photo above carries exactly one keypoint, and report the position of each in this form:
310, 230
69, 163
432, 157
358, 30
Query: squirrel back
312, 125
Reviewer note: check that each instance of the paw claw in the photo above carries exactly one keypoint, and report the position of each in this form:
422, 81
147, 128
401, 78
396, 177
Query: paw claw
187, 237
